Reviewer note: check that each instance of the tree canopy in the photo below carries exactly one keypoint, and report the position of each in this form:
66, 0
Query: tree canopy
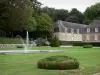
14, 15
45, 23
61, 14
56, 14
27, 15
75, 16
23, 15
92, 13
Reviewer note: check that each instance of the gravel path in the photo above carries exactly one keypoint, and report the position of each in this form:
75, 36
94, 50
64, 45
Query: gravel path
97, 74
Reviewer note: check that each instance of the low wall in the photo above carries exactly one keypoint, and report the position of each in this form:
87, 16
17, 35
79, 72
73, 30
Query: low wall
11, 45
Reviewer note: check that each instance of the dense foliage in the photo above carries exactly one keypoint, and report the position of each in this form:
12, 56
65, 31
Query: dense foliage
19, 16
14, 15
61, 14
92, 13
58, 62
75, 16
45, 23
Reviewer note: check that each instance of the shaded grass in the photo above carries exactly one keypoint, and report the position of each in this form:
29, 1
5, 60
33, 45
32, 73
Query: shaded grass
4, 40
26, 64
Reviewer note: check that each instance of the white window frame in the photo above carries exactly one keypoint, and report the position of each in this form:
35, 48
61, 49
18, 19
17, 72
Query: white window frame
87, 37
88, 30
96, 37
65, 30
96, 29
78, 31
72, 30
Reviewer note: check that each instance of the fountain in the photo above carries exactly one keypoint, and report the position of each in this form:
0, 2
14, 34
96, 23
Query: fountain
27, 43
26, 47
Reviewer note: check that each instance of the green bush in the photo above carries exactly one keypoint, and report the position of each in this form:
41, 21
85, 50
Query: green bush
55, 42
58, 62
20, 47
87, 46
41, 42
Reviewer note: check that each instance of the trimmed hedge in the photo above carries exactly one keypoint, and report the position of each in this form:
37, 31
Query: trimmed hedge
97, 44
58, 62
55, 42
80, 43
87, 46
20, 47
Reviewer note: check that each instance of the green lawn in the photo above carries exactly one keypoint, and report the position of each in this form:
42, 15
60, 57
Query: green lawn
51, 48
26, 64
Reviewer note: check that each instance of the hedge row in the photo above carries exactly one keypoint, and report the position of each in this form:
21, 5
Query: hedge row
79, 43
87, 46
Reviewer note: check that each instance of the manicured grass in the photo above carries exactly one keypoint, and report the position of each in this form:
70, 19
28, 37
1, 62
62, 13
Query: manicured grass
26, 64
53, 48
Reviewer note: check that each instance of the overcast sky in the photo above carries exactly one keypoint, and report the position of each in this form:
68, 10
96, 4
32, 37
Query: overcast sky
69, 4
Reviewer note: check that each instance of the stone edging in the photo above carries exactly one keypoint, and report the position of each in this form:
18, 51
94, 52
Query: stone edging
10, 45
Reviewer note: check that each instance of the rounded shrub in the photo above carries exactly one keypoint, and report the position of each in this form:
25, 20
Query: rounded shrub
58, 62
87, 46
55, 42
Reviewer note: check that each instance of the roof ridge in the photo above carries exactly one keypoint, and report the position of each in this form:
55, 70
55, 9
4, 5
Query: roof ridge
74, 23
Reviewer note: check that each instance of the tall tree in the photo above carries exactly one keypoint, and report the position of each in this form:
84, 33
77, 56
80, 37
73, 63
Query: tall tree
36, 6
56, 14
75, 16
61, 14
14, 15
48, 11
92, 13
45, 25
73, 19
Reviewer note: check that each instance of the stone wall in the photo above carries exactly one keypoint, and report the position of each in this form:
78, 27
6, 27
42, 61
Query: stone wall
68, 36
91, 37
11, 45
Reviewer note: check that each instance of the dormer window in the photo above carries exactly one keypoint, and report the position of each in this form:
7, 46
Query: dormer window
88, 30
56, 29
96, 29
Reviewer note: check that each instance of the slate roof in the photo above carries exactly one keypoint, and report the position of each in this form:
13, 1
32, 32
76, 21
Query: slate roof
94, 24
73, 25
63, 24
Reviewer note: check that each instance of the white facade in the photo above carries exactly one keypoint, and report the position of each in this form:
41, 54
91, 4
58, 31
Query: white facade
68, 36
68, 31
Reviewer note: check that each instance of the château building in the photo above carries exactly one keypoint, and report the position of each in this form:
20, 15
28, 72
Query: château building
67, 31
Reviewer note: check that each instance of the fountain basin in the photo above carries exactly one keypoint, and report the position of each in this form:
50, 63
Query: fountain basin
28, 52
